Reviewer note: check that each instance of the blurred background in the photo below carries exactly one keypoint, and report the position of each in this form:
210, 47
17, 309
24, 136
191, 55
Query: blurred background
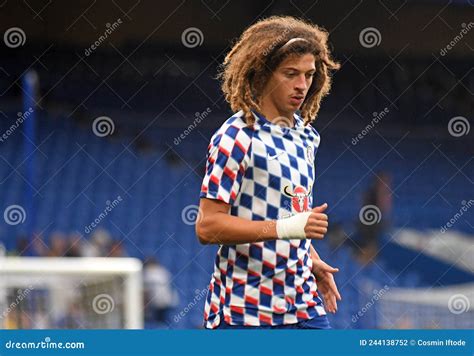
106, 111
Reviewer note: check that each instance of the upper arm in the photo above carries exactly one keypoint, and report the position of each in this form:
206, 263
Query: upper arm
227, 160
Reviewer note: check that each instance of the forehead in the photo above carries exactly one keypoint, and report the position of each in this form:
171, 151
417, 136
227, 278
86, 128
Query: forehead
303, 62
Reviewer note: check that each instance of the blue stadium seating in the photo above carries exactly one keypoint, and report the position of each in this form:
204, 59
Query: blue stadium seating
77, 172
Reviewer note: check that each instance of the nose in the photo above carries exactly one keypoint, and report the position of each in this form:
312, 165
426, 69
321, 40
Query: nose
301, 83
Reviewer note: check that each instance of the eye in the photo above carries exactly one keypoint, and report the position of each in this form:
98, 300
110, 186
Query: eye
309, 75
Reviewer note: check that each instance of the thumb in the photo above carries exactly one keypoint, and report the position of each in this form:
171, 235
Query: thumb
321, 208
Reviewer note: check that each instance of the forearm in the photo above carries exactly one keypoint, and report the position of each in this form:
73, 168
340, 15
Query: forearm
225, 229
215, 225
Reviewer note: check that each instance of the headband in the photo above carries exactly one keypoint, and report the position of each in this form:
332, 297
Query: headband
293, 40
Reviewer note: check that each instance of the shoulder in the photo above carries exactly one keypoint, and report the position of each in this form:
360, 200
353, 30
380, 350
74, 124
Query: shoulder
233, 129
310, 131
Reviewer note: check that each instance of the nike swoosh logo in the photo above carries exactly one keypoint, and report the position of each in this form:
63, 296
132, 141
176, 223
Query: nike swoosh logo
272, 157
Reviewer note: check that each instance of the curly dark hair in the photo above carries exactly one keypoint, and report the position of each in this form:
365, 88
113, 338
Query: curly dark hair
258, 52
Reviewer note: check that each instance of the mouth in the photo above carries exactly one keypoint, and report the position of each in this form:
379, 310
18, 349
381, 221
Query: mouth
297, 99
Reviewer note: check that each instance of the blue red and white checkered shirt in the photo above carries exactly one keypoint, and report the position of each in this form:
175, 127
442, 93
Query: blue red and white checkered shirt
265, 172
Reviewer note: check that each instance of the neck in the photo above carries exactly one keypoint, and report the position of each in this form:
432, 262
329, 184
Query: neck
272, 114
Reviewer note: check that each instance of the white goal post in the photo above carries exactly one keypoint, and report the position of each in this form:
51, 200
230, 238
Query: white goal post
69, 292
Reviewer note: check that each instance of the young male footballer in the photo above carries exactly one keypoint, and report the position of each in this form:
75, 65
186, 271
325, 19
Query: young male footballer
256, 197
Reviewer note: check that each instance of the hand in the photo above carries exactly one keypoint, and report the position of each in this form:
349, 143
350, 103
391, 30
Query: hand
317, 224
326, 284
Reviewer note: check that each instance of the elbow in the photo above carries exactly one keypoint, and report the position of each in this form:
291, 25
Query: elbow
203, 232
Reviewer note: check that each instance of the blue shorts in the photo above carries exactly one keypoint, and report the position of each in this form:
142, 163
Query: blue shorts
319, 322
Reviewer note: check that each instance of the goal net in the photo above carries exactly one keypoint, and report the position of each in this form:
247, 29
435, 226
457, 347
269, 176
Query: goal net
70, 293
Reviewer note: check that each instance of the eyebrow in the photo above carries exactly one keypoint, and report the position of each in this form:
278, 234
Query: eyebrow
297, 70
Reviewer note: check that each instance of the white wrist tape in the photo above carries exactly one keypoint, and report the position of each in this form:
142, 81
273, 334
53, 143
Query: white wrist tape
292, 227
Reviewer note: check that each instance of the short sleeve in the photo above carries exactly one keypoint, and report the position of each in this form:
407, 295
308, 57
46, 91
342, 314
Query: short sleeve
228, 157
313, 135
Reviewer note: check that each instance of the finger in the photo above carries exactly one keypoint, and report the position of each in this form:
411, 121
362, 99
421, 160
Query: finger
322, 223
334, 303
334, 290
327, 300
321, 208
316, 222
312, 235
319, 216
330, 302
329, 268
318, 230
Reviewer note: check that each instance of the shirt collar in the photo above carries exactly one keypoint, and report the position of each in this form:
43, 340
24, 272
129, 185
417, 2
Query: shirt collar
297, 120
